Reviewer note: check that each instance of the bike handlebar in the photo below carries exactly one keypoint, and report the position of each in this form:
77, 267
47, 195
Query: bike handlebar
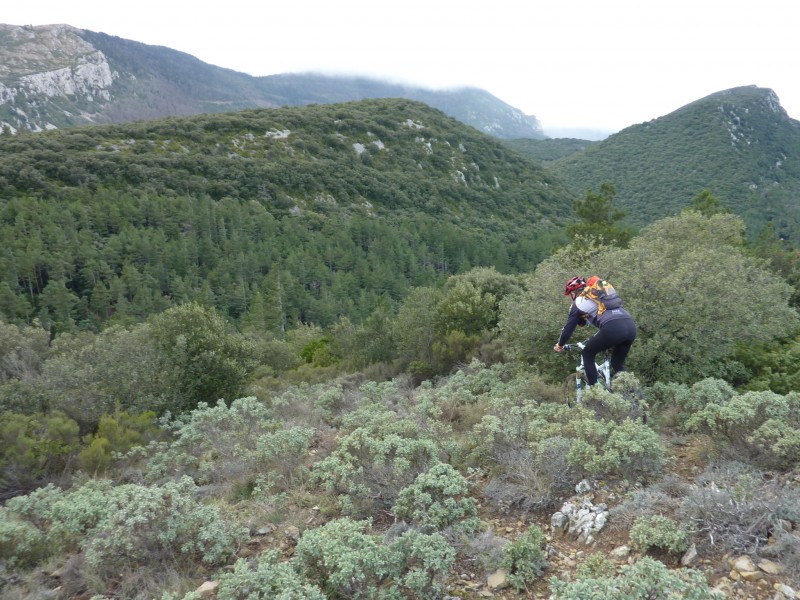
568, 347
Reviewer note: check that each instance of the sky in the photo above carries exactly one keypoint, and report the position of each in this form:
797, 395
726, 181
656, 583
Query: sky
581, 64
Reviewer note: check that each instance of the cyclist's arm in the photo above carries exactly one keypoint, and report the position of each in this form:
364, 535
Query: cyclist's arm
573, 320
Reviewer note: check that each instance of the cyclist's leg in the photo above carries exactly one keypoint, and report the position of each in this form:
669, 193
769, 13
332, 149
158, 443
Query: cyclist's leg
602, 340
626, 330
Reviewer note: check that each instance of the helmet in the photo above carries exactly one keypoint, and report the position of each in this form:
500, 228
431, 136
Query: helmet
574, 284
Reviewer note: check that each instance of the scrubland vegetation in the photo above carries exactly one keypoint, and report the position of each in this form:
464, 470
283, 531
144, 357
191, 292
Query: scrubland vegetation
141, 460
296, 393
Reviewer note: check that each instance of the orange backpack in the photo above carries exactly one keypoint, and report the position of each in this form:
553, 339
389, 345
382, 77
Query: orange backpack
602, 293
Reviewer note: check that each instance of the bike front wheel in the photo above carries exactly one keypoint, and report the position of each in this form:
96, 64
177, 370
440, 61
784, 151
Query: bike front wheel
575, 386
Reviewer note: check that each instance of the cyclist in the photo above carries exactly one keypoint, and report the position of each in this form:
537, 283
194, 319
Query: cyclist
616, 327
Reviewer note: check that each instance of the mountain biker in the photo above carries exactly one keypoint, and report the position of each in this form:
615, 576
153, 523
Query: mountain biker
617, 329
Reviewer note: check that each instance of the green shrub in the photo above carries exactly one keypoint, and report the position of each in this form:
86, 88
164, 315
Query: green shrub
377, 459
524, 559
116, 433
151, 526
21, 543
762, 427
420, 565
343, 560
632, 451
281, 455
207, 359
212, 444
127, 526
596, 565
646, 579
268, 579
626, 401
35, 449
657, 531
546, 447
437, 500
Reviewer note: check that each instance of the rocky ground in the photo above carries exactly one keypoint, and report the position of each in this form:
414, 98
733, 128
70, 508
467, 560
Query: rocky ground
576, 531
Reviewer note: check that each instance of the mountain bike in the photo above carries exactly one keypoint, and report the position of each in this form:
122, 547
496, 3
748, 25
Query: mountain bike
576, 385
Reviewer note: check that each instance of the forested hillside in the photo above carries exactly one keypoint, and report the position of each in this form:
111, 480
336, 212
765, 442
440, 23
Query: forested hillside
308, 354
740, 144
296, 215
428, 452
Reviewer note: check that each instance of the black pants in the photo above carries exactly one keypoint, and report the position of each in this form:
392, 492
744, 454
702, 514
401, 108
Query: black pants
617, 334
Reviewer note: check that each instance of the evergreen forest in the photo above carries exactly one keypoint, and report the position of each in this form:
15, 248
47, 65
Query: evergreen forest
307, 353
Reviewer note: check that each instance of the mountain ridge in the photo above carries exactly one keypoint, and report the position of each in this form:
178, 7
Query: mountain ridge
60, 76
739, 143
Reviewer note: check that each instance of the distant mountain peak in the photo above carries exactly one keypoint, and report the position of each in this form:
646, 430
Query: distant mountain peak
56, 76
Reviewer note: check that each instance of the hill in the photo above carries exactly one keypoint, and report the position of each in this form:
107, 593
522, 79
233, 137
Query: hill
318, 211
547, 151
739, 143
58, 76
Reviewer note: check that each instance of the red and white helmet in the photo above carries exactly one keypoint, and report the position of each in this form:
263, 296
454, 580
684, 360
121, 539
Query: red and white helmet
574, 284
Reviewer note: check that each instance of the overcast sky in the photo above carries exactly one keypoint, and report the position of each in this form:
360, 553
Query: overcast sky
593, 64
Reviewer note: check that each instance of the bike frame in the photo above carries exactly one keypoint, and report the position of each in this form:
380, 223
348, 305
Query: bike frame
603, 371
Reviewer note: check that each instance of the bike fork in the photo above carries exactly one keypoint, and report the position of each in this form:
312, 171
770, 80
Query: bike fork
578, 388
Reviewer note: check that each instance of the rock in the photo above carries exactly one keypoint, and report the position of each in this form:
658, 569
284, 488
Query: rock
771, 567
724, 587
690, 556
742, 564
208, 589
751, 575
266, 530
583, 487
292, 533
497, 580
620, 552
559, 522
784, 591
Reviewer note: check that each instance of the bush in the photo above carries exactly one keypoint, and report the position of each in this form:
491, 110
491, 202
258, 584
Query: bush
437, 500
343, 560
625, 402
116, 433
539, 449
377, 459
130, 526
762, 427
597, 566
282, 455
524, 558
421, 564
35, 449
212, 444
648, 501
736, 507
208, 360
21, 543
268, 579
657, 531
646, 579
